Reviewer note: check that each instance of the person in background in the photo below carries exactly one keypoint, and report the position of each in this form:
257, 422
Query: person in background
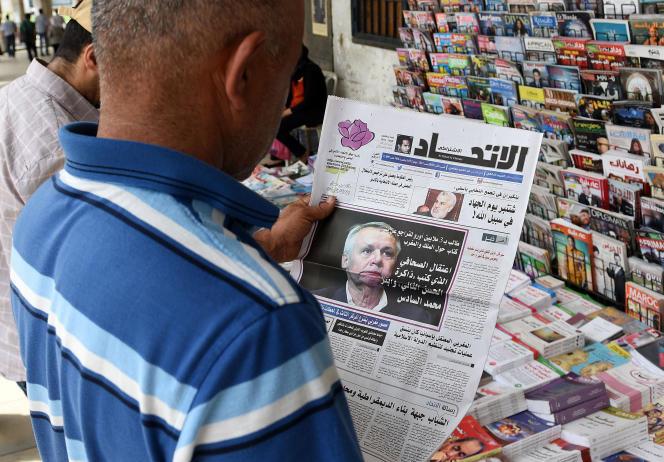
56, 31
28, 36
41, 25
306, 102
9, 34
34, 107
635, 147
157, 267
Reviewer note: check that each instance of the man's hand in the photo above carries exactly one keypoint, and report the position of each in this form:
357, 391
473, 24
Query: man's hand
284, 240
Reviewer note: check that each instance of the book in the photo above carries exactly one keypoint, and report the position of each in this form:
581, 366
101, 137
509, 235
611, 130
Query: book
619, 318
533, 296
638, 339
528, 376
591, 360
523, 432
576, 412
588, 161
654, 412
587, 188
578, 304
471, 439
557, 451
573, 247
590, 136
644, 305
600, 330
611, 267
542, 203
606, 432
647, 451
534, 321
511, 310
494, 402
602, 83
553, 339
653, 352
517, 280
648, 275
563, 393
631, 387
551, 283
506, 355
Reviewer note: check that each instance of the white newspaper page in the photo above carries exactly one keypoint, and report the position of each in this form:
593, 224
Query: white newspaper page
411, 267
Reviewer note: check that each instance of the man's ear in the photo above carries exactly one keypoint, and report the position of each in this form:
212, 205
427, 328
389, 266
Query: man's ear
88, 57
239, 60
344, 261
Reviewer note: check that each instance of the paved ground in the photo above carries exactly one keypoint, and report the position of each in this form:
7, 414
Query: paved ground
17, 442
12, 68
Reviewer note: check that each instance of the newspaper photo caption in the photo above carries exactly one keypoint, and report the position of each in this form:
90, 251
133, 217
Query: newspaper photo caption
411, 268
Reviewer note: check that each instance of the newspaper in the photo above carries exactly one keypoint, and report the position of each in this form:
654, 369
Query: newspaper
411, 268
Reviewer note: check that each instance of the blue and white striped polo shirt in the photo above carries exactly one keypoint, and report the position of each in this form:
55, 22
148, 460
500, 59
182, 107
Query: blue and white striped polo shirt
153, 327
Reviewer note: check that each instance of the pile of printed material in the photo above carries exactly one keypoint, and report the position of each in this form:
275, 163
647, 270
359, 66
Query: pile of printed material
567, 379
281, 185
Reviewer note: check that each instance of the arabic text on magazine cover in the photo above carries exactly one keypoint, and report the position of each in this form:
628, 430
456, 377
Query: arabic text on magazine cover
411, 267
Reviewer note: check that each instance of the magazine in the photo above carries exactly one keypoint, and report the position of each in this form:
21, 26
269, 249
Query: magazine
433, 239
574, 249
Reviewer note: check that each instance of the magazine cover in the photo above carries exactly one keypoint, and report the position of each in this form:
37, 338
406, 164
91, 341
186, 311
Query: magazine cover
406, 37
575, 24
531, 97
588, 188
399, 96
628, 168
611, 267
415, 97
491, 24
469, 439
556, 125
537, 231
483, 65
648, 275
647, 29
521, 6
606, 56
479, 88
496, 115
571, 51
486, 44
602, 83
610, 30
655, 177
534, 261
423, 40
417, 60
539, 49
652, 213
591, 360
642, 84
657, 142
423, 20
632, 114
651, 245
433, 103
574, 212
614, 225
448, 42
590, 136
518, 427
594, 107
562, 101
517, 25
542, 203
634, 141
555, 152
574, 253
452, 105
535, 74
467, 23
508, 70
550, 177
525, 118
564, 77
503, 92
510, 48
404, 77
543, 24
443, 21
625, 198
472, 109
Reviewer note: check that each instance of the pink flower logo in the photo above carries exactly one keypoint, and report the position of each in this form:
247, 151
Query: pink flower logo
355, 134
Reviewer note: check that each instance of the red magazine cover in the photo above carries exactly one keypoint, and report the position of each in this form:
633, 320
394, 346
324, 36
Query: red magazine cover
571, 51
574, 252
469, 442
588, 188
606, 56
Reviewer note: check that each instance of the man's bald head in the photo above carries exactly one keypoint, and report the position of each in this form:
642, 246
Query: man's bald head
169, 36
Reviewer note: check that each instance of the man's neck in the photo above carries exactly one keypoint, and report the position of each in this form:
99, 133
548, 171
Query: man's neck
364, 296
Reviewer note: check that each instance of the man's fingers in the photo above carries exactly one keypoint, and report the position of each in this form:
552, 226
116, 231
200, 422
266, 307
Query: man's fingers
323, 210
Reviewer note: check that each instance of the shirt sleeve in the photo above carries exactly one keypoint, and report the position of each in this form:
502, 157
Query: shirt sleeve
274, 392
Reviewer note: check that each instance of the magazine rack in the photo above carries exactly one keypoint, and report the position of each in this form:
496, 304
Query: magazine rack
612, 12
541, 211
612, 37
645, 282
537, 239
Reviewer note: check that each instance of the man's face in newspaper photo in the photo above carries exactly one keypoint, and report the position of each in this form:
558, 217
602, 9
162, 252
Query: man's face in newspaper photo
404, 147
458, 450
372, 258
444, 204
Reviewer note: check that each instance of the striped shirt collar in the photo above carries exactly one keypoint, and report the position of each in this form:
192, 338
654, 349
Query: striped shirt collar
49, 83
160, 169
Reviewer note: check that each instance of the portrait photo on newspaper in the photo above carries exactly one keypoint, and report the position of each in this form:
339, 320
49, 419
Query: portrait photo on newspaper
385, 265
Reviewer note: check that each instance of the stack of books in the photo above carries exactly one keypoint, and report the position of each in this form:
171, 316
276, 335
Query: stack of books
523, 433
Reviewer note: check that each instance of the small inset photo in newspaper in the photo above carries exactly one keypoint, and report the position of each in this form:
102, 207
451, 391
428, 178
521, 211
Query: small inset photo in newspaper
384, 264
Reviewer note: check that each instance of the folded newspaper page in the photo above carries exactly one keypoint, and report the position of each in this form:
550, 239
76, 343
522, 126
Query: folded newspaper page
411, 268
